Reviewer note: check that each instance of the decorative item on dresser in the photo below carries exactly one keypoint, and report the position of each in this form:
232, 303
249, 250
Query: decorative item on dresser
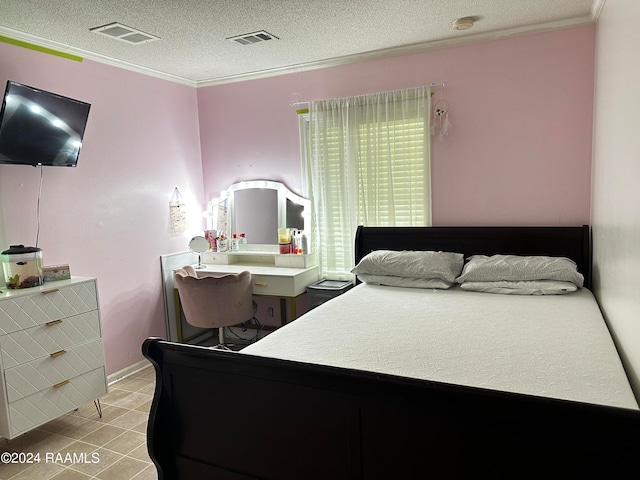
51, 353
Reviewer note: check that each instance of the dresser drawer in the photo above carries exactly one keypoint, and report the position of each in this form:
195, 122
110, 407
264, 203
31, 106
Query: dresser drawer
34, 410
41, 374
40, 341
46, 304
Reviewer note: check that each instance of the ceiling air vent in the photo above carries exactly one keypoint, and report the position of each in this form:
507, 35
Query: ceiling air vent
123, 33
254, 37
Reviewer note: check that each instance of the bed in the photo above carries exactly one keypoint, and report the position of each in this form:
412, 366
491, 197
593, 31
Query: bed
397, 382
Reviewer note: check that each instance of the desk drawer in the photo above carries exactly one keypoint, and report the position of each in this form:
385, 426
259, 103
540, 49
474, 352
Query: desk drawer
43, 373
34, 410
36, 342
45, 305
273, 285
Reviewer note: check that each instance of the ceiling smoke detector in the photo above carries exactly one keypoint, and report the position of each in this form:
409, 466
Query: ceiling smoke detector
464, 23
254, 37
123, 33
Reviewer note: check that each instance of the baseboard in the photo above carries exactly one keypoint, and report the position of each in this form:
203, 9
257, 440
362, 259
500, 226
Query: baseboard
128, 371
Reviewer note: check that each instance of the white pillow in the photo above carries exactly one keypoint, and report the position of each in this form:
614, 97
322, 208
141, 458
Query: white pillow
481, 268
529, 287
413, 264
392, 281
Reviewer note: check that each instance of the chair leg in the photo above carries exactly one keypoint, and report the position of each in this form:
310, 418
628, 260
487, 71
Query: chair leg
221, 345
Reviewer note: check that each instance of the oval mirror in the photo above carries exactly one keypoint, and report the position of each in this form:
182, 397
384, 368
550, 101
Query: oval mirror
199, 245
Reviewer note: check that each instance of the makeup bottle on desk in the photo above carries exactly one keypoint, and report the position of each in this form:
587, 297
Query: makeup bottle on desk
223, 243
298, 249
211, 236
235, 242
284, 240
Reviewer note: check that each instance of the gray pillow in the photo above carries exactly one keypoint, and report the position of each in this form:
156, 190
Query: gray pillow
409, 282
528, 287
495, 268
413, 264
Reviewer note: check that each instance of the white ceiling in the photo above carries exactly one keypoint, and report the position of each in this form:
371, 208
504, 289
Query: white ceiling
193, 46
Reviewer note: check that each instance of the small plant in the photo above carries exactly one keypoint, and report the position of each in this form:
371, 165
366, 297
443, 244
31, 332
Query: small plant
14, 282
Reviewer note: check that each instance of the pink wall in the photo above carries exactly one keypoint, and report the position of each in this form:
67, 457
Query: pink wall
519, 151
108, 218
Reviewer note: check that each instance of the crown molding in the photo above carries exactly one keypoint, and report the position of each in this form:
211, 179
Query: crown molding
596, 9
331, 62
402, 50
85, 54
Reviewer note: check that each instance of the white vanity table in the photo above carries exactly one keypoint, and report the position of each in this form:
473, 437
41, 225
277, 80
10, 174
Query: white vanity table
284, 276
273, 275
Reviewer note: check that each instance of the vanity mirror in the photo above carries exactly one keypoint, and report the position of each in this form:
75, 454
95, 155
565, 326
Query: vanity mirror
258, 208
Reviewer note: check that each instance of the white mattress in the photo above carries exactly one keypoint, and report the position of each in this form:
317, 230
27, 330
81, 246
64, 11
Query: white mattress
554, 346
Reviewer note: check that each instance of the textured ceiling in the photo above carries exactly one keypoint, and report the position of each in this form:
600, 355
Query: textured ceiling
194, 48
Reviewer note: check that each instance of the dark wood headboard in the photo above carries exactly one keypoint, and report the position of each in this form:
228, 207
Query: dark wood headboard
570, 242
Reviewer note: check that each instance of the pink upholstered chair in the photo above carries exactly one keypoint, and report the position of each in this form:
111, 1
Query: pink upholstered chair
215, 302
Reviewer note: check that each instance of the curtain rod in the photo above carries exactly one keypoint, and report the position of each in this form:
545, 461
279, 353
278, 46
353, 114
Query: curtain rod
431, 85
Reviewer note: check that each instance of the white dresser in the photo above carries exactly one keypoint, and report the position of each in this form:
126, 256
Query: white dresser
51, 353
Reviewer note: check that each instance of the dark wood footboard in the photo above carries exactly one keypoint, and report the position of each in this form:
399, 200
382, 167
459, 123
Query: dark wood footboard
225, 415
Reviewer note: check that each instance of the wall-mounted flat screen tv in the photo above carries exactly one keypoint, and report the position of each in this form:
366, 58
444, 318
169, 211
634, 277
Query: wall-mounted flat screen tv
40, 128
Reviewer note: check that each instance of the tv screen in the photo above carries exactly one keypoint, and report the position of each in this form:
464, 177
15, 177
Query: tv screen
40, 128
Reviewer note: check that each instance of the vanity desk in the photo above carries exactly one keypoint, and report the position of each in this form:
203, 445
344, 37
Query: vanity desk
273, 275
257, 208
285, 277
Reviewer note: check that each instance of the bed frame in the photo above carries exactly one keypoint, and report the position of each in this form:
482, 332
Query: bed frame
226, 415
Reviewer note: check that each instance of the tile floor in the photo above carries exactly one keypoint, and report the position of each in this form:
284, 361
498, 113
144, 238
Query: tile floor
82, 446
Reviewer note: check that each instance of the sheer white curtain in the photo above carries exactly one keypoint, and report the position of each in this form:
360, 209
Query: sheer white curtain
368, 162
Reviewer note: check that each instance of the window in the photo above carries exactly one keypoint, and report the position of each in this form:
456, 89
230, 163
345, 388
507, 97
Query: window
367, 162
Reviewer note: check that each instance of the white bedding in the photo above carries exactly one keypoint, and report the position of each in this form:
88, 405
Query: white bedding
552, 346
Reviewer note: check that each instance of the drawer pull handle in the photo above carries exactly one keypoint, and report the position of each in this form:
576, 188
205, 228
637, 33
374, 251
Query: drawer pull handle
58, 353
261, 284
53, 290
53, 322
60, 384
